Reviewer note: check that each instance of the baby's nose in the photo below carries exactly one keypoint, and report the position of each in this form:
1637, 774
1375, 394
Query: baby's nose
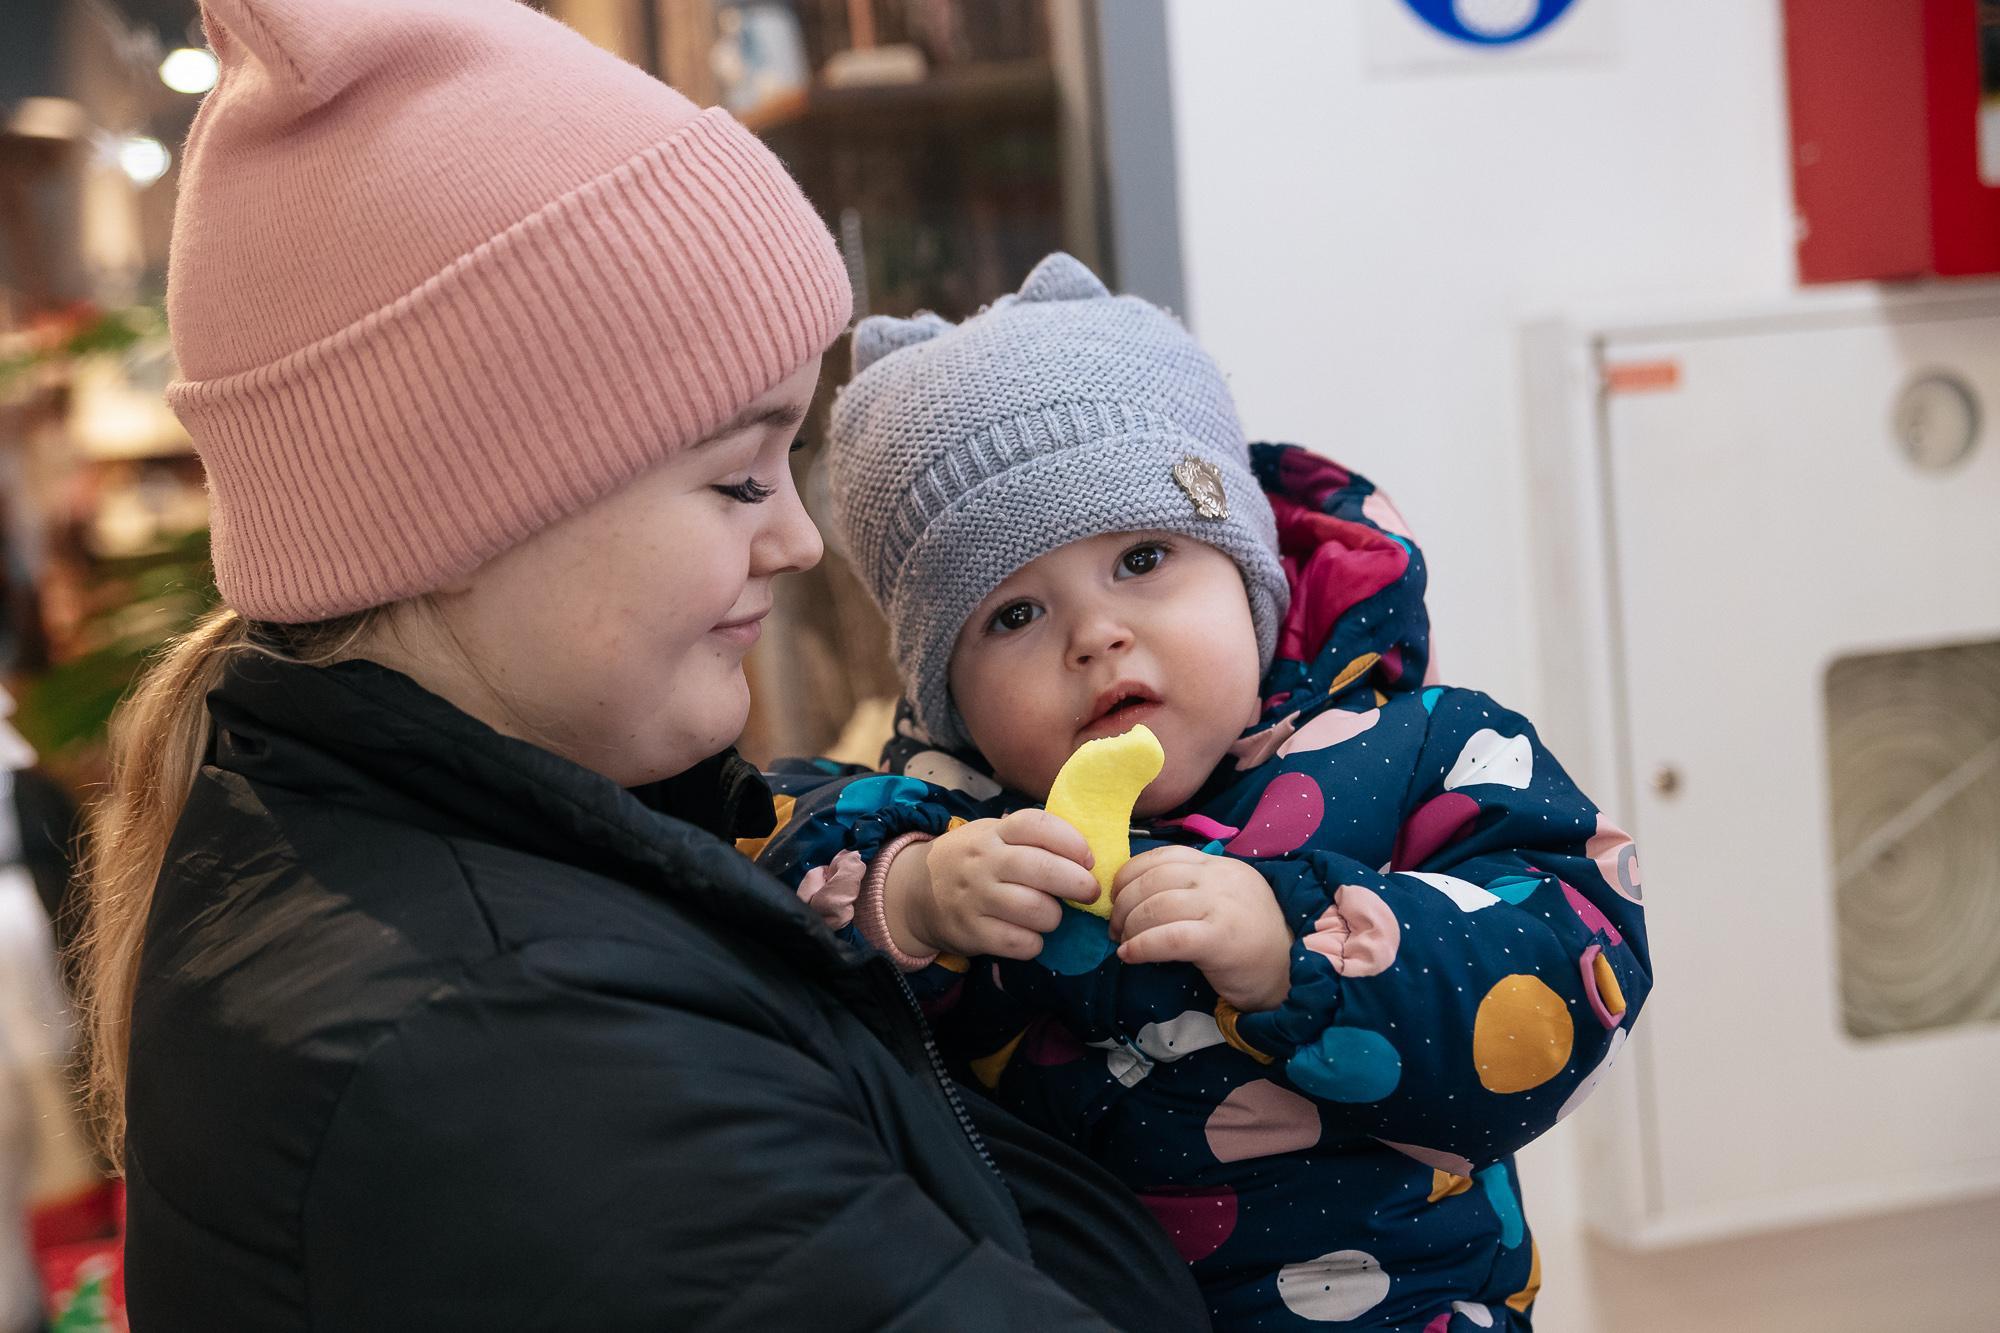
1099, 641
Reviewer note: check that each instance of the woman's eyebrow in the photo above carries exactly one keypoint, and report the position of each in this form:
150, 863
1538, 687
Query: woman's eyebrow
782, 417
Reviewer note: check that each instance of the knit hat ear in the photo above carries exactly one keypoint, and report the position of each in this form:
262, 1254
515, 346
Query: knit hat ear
878, 335
1061, 277
280, 44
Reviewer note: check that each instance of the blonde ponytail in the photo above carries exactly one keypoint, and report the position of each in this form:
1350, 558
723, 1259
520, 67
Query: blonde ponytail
159, 736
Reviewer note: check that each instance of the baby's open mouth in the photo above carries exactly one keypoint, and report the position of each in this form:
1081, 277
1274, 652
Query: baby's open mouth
1122, 707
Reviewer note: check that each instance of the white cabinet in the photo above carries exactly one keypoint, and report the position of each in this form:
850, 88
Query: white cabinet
1725, 508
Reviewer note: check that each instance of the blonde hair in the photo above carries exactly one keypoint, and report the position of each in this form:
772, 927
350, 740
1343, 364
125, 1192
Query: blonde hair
159, 736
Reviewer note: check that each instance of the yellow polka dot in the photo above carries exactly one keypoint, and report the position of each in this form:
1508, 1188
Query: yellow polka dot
1352, 672
1444, 1184
1522, 1035
781, 807
1525, 1297
1608, 989
954, 962
956, 823
987, 1069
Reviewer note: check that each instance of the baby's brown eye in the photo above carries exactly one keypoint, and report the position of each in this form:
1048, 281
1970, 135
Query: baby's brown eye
1142, 559
1013, 616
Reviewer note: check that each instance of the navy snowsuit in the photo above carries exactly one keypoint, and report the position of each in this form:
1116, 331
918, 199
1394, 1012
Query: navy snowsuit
1470, 953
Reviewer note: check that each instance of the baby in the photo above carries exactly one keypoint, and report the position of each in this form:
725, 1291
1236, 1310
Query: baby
1372, 939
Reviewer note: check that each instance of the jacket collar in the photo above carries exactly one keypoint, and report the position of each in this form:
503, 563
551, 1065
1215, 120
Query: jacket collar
361, 734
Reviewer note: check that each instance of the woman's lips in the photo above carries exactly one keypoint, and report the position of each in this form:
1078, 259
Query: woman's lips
744, 632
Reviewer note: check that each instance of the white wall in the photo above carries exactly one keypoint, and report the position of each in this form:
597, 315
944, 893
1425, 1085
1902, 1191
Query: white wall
1359, 251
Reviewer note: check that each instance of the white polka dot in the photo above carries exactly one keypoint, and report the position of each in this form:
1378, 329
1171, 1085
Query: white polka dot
1333, 1288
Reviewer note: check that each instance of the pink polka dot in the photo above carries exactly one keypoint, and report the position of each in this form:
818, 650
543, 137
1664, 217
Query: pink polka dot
1196, 1220
1261, 1119
1330, 729
1377, 510
1255, 749
1433, 1158
945, 1003
1359, 934
1201, 826
1287, 814
1439, 1324
1437, 822
1597, 975
1617, 859
1048, 1042
1593, 919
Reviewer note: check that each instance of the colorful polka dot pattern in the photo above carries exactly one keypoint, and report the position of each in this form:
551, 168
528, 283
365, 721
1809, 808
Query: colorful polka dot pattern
1348, 1065
1469, 955
1523, 1035
1358, 933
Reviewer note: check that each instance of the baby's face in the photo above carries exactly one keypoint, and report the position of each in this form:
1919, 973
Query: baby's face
1101, 635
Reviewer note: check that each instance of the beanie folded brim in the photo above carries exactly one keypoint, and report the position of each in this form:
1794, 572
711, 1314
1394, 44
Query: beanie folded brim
1121, 483
532, 377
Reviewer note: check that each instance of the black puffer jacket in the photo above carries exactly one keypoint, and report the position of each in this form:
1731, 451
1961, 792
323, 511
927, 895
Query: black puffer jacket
436, 1030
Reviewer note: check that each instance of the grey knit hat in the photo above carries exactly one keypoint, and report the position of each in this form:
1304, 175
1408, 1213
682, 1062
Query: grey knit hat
961, 452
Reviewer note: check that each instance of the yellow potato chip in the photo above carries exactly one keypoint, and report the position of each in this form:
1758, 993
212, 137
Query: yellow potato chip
1095, 793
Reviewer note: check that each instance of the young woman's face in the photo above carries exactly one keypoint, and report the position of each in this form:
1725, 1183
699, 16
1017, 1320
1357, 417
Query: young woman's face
616, 637
1098, 636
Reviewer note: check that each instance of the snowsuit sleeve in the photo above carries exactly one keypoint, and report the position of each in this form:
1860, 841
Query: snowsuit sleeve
833, 826
1464, 997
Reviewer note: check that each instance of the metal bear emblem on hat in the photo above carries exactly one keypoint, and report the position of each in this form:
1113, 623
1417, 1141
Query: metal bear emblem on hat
1201, 481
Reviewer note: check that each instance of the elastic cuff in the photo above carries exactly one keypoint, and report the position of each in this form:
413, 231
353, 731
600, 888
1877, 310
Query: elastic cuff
871, 914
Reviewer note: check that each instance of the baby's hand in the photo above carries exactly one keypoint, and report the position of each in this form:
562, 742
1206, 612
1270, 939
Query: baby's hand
993, 886
1175, 904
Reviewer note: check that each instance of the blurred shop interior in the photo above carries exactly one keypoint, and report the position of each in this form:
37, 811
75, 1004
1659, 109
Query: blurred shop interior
1674, 330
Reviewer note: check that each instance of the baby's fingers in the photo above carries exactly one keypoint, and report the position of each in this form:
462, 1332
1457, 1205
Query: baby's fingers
1025, 906
1002, 939
1131, 894
1049, 872
1147, 862
1183, 941
1169, 904
1039, 828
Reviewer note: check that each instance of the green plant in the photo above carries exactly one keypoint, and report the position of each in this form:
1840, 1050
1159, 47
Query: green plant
146, 601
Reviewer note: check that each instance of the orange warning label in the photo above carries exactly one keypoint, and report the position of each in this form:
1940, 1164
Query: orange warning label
1642, 376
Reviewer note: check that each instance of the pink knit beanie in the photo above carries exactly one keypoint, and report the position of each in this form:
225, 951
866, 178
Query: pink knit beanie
444, 272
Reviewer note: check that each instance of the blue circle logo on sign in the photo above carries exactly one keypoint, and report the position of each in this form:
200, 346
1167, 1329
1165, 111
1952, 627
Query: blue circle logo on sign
1489, 22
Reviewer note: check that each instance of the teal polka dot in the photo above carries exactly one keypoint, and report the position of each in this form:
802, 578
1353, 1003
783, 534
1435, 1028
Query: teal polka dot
1347, 1065
867, 795
1506, 1205
1077, 945
1514, 888
1431, 697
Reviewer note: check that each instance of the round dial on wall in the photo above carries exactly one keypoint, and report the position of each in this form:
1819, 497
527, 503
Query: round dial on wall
1937, 420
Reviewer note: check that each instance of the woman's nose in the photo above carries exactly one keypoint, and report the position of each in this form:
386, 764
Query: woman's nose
790, 542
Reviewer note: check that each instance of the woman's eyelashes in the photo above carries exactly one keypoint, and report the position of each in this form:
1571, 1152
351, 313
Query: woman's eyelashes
749, 491
1013, 616
1142, 559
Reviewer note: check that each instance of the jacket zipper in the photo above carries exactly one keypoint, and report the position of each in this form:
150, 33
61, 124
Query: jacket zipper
943, 1077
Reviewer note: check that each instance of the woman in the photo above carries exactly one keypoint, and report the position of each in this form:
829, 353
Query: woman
426, 991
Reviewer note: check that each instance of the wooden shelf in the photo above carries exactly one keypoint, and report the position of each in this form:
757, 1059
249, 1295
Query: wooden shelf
950, 98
